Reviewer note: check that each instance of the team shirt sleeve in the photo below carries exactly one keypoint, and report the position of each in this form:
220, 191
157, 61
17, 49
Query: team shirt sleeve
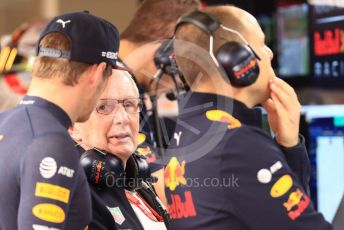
269, 194
298, 161
54, 191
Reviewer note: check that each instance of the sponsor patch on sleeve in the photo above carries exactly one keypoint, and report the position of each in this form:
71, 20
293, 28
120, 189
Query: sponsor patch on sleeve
51, 191
49, 212
281, 186
48, 167
296, 204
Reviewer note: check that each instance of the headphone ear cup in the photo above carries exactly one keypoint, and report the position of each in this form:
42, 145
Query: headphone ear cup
239, 63
98, 166
136, 170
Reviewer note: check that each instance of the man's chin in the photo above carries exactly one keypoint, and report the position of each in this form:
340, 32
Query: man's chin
123, 152
83, 117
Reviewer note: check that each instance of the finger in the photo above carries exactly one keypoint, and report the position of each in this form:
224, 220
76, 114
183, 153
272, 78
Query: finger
293, 101
285, 87
269, 106
279, 107
283, 98
290, 102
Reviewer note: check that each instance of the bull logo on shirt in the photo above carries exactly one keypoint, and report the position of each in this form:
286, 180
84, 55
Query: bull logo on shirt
144, 148
223, 117
297, 202
174, 174
181, 205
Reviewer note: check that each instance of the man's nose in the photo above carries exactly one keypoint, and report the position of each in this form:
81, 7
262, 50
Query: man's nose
271, 54
120, 115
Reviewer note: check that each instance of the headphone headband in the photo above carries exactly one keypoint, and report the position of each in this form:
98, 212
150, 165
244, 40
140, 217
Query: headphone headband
200, 19
237, 61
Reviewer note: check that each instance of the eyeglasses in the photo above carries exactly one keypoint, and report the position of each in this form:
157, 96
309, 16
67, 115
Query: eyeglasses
131, 105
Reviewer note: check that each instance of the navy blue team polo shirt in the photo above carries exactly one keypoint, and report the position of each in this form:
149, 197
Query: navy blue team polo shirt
224, 172
42, 184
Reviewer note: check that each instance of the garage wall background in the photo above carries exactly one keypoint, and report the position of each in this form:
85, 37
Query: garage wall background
15, 12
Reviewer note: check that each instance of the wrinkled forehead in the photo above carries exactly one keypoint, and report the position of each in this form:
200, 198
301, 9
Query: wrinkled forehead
120, 86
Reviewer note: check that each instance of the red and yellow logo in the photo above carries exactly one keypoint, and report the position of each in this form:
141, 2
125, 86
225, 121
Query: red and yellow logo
144, 150
224, 117
246, 68
296, 204
182, 206
49, 212
293, 200
174, 174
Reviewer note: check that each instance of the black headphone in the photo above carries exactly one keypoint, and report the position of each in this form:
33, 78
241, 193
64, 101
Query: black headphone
106, 170
165, 60
238, 60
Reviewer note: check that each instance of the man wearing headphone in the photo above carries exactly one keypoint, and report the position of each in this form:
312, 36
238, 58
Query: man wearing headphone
223, 171
152, 23
122, 196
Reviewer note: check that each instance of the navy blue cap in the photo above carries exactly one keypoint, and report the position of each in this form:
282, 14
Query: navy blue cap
93, 39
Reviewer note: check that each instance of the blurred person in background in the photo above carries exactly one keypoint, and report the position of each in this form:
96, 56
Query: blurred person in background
153, 22
16, 60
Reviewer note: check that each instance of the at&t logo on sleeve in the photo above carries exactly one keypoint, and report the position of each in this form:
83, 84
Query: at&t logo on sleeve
48, 168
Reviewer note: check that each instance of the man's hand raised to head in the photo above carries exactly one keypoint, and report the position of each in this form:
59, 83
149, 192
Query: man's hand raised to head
283, 108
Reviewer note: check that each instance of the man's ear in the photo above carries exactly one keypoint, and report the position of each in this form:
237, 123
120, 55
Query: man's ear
96, 73
75, 134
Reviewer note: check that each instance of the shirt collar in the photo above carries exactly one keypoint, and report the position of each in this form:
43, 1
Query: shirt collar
193, 103
55, 110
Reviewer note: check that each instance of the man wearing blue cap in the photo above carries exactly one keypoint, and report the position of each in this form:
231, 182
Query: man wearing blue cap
43, 186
